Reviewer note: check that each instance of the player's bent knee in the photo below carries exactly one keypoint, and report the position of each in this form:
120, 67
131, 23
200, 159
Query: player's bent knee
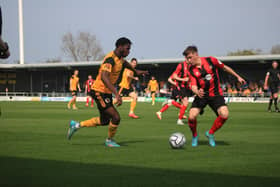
105, 122
116, 119
223, 112
193, 113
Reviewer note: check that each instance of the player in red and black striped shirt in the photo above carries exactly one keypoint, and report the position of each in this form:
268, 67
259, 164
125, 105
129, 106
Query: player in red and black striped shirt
175, 95
89, 84
181, 74
205, 83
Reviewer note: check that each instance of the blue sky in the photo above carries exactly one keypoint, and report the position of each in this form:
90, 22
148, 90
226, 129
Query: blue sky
157, 28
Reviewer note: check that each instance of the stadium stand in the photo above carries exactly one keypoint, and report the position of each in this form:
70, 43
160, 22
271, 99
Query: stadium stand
53, 78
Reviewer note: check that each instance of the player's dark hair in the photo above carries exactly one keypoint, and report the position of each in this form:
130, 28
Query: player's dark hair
134, 59
122, 41
190, 49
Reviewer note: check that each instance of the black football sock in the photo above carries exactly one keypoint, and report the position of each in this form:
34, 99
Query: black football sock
275, 103
270, 103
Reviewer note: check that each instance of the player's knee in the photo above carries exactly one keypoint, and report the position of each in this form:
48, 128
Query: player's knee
185, 101
134, 97
224, 113
116, 119
193, 114
105, 122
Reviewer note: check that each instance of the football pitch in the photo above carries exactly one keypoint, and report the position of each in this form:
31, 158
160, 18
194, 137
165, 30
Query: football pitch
34, 150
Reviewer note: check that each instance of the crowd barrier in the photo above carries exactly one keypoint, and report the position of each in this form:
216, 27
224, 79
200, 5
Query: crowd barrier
127, 99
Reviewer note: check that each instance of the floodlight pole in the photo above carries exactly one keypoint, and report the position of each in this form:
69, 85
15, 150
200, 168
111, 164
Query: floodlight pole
21, 42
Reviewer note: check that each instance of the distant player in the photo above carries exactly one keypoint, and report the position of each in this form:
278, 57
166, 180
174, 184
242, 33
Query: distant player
103, 88
272, 78
127, 89
205, 83
175, 89
153, 88
89, 84
74, 88
182, 76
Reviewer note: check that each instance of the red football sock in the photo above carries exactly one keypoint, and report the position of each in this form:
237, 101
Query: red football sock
92, 101
182, 111
218, 123
192, 125
164, 108
176, 104
87, 100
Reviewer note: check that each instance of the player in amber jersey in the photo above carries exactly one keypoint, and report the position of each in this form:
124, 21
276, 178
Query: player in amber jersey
103, 88
127, 89
89, 84
74, 87
153, 89
205, 83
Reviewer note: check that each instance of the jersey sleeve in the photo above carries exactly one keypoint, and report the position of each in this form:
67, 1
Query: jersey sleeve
108, 64
217, 62
172, 75
178, 69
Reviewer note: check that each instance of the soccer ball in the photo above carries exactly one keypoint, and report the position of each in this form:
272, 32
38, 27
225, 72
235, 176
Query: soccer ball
177, 140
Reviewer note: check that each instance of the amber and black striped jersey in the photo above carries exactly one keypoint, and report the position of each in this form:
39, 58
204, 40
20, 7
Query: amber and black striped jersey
113, 65
126, 80
74, 81
153, 85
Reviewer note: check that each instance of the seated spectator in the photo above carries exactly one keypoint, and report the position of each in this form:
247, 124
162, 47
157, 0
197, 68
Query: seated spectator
246, 92
229, 90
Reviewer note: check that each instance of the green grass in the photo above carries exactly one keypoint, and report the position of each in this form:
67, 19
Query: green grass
34, 150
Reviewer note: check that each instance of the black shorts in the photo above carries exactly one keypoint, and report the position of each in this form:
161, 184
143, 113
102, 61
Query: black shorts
214, 102
185, 92
102, 100
273, 87
74, 93
153, 92
175, 94
125, 92
90, 93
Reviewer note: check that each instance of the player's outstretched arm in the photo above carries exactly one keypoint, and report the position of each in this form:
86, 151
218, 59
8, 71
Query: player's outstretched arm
131, 76
171, 81
137, 72
232, 72
176, 77
106, 80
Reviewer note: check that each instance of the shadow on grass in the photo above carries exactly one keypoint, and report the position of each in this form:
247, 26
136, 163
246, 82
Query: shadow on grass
34, 172
126, 143
218, 143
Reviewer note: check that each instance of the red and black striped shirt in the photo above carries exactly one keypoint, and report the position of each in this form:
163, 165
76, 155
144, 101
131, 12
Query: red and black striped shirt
206, 76
176, 82
182, 71
89, 84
